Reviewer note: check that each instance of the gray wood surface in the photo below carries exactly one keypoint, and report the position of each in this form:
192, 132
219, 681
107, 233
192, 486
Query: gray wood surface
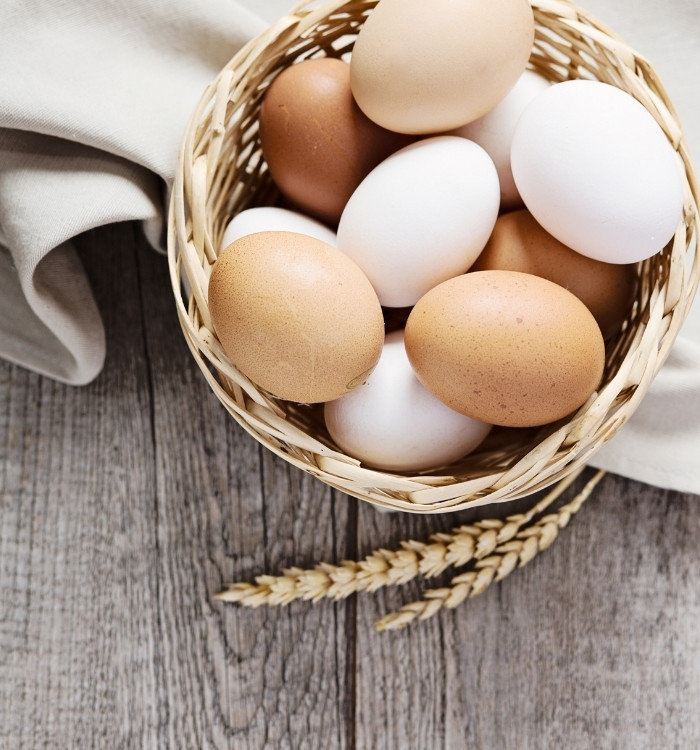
125, 504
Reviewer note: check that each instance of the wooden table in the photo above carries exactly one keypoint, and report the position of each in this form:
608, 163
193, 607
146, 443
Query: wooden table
127, 504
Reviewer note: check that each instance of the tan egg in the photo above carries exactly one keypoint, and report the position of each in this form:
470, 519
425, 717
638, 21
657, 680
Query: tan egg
317, 143
420, 67
505, 347
519, 243
295, 315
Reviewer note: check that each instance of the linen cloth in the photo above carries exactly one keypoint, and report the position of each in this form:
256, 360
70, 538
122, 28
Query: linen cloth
94, 98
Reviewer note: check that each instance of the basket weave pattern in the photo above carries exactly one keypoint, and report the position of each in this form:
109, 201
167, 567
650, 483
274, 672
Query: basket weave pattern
221, 172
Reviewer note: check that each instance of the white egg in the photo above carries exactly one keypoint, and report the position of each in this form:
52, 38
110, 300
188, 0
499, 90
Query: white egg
392, 422
494, 131
597, 172
421, 216
273, 219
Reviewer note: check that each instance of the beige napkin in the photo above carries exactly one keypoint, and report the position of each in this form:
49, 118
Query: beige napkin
94, 98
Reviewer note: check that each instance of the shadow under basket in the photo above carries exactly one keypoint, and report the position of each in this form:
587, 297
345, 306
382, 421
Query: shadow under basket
221, 172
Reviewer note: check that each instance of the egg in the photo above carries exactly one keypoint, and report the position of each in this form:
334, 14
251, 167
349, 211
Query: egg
494, 131
506, 348
519, 243
421, 216
596, 170
317, 143
295, 316
425, 68
274, 218
392, 422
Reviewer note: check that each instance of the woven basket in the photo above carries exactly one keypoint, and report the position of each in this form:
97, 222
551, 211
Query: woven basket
221, 172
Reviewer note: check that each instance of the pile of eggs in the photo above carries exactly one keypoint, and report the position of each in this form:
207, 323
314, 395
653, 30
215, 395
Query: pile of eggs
459, 237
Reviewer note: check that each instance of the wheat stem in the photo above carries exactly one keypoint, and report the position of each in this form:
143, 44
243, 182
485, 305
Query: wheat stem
526, 544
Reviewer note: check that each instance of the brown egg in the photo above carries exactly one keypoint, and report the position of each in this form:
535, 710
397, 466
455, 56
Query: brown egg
295, 315
519, 243
316, 141
505, 347
420, 67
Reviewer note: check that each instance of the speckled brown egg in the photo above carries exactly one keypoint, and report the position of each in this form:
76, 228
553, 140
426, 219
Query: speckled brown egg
505, 347
519, 243
295, 315
316, 141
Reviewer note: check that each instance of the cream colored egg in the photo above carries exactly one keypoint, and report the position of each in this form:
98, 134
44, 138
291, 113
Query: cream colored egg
295, 316
420, 67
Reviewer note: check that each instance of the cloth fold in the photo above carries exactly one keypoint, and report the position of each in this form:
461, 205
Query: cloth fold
94, 99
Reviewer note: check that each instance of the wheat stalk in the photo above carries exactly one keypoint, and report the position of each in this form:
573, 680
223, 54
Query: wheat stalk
383, 567
528, 543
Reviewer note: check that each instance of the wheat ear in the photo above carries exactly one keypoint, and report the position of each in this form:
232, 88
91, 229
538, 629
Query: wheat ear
383, 567
528, 543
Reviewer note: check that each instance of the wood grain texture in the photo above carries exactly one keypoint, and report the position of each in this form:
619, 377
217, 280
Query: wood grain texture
591, 645
126, 504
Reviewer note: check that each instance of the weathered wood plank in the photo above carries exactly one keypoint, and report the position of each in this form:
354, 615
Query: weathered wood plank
593, 644
78, 588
